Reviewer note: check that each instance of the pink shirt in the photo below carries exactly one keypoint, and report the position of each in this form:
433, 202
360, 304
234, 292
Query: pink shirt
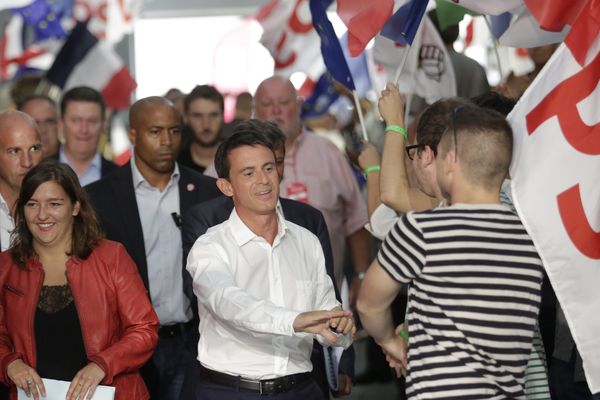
318, 173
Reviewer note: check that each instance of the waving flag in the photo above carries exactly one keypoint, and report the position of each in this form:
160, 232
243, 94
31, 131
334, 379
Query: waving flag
403, 25
290, 37
582, 15
83, 60
363, 19
557, 195
44, 17
488, 7
524, 31
428, 70
332, 52
450, 14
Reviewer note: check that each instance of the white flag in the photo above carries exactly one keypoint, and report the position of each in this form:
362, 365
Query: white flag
427, 71
555, 181
291, 39
524, 31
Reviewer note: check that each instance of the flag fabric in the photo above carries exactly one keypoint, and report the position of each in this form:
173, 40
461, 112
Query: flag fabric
450, 14
500, 24
427, 71
488, 7
290, 37
582, 15
403, 25
364, 19
555, 173
524, 31
331, 50
44, 17
84, 60
324, 95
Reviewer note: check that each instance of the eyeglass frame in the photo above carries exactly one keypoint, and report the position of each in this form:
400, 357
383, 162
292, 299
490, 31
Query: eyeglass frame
409, 147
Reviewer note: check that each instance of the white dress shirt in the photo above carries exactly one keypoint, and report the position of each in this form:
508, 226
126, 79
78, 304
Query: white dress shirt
249, 294
6, 224
162, 242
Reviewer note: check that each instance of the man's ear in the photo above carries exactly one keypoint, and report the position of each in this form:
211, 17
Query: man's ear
225, 187
131, 135
427, 156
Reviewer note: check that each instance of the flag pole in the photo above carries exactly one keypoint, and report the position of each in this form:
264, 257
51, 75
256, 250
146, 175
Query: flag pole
360, 115
401, 66
496, 41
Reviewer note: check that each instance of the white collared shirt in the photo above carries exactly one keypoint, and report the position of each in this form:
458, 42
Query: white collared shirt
7, 224
91, 175
249, 294
162, 242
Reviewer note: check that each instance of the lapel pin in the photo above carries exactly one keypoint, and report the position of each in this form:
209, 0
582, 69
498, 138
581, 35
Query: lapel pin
190, 187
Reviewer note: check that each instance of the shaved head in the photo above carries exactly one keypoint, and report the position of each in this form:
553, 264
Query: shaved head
484, 141
137, 112
276, 100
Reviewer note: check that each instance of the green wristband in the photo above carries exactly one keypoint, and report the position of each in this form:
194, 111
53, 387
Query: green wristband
404, 333
397, 129
372, 168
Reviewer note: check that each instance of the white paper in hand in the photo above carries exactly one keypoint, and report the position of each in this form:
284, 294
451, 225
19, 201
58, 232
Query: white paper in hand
57, 390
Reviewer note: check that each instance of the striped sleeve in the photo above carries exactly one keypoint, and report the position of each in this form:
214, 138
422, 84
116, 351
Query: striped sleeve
402, 253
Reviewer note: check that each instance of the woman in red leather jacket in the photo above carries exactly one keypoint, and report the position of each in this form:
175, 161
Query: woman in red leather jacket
72, 305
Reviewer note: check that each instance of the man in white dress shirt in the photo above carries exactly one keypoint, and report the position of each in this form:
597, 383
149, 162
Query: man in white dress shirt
263, 293
20, 150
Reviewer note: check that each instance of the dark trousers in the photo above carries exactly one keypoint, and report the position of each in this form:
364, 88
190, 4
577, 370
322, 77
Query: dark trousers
165, 372
562, 384
210, 391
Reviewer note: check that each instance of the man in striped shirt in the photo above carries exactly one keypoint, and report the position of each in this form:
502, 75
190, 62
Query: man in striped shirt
474, 272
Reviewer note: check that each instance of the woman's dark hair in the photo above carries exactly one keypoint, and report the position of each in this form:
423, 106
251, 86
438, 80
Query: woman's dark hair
86, 228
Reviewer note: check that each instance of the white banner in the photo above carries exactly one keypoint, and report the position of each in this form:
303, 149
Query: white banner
291, 38
556, 188
427, 72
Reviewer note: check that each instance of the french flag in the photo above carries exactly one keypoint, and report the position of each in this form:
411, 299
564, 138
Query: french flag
85, 61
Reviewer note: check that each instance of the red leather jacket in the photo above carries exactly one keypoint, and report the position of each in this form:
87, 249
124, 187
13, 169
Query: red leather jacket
118, 324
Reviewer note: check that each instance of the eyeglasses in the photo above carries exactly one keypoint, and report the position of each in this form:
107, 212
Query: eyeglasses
409, 149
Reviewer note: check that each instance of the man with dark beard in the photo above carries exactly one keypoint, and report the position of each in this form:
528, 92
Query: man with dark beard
204, 108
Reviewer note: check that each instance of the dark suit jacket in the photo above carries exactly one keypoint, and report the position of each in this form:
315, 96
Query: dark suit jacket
106, 166
213, 212
114, 199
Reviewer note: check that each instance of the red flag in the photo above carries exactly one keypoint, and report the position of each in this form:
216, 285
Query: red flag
364, 20
582, 15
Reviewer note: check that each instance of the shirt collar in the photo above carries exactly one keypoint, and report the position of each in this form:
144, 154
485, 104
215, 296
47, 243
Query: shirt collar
4, 204
242, 234
138, 178
96, 161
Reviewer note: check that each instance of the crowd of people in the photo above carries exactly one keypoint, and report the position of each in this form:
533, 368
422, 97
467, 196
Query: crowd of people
230, 261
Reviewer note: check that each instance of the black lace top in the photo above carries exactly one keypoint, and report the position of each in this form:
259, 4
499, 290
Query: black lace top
59, 342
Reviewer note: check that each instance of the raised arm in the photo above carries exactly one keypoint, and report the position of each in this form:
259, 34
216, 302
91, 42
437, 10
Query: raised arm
395, 190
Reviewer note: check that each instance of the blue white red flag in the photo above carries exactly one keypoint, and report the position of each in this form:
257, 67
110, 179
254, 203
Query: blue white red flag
84, 60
